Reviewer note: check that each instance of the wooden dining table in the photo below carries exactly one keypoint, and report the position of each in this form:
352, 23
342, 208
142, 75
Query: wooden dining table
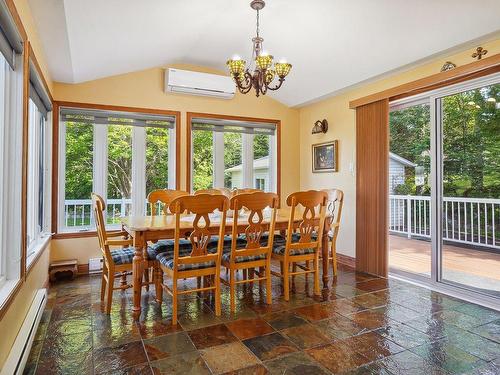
144, 229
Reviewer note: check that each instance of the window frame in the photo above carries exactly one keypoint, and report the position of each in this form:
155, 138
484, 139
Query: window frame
247, 152
38, 193
100, 159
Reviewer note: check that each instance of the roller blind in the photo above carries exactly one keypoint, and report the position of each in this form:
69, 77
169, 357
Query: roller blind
11, 42
102, 117
38, 93
233, 126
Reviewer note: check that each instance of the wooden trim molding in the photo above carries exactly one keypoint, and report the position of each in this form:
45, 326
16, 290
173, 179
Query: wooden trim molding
483, 67
17, 19
55, 153
347, 260
191, 115
32, 57
372, 155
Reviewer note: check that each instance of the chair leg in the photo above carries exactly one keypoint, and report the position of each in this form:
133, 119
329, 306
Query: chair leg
217, 292
146, 278
232, 289
261, 272
316, 275
294, 269
158, 279
109, 299
334, 260
286, 281
251, 275
174, 302
103, 281
268, 283
308, 264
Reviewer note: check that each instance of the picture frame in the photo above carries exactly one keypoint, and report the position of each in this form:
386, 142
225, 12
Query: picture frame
325, 157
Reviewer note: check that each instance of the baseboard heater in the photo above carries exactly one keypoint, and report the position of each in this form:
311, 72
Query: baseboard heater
22, 345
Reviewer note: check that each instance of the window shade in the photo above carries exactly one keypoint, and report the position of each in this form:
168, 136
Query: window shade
38, 93
233, 126
101, 117
11, 42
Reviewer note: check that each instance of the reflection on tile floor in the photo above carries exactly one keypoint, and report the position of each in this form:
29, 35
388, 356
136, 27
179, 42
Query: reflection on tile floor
360, 325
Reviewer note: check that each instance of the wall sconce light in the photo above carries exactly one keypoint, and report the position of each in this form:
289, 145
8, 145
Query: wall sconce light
320, 127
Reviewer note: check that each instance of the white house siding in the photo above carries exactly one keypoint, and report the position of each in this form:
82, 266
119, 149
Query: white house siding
396, 174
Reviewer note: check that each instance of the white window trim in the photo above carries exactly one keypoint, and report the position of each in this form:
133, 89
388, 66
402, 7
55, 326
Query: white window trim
100, 171
42, 235
10, 200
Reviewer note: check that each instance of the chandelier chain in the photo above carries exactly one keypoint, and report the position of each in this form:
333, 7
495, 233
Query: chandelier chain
258, 28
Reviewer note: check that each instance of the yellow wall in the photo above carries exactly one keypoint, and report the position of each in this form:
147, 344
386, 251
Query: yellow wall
146, 89
342, 126
14, 316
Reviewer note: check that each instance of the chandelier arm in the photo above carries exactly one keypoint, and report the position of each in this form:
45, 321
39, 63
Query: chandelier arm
245, 85
278, 85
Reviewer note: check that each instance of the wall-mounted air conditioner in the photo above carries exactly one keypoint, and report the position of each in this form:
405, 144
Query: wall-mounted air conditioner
195, 83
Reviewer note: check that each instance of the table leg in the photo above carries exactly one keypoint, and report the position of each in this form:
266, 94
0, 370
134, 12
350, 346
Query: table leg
137, 272
324, 252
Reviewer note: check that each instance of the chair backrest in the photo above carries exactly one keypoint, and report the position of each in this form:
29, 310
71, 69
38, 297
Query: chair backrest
246, 190
162, 198
99, 208
314, 204
254, 225
201, 205
335, 205
219, 191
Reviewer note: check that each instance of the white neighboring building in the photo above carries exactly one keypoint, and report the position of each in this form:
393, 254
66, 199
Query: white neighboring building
260, 174
397, 166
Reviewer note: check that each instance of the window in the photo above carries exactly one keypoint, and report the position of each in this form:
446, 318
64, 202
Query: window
233, 154
11, 151
260, 183
39, 108
122, 156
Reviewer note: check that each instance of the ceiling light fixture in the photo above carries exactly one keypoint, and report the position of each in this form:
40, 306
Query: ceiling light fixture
261, 76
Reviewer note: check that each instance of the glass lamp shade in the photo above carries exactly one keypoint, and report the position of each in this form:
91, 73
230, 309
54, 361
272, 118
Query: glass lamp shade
282, 69
236, 67
269, 75
264, 62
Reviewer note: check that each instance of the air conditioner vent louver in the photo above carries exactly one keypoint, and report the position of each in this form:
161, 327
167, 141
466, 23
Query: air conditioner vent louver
195, 83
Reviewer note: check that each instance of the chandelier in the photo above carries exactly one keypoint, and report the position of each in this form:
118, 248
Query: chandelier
261, 75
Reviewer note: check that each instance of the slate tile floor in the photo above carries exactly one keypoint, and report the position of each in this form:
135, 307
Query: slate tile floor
361, 325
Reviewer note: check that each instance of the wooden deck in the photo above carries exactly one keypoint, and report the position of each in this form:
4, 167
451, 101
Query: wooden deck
414, 255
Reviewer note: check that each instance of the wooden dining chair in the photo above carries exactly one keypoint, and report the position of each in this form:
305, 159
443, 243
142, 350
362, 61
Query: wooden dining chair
334, 209
197, 261
302, 246
116, 263
160, 199
217, 191
246, 190
251, 252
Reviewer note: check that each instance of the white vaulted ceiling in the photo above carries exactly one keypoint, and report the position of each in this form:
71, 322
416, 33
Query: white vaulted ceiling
332, 44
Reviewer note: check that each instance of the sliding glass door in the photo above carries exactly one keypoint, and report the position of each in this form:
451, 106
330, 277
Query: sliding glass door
444, 163
469, 122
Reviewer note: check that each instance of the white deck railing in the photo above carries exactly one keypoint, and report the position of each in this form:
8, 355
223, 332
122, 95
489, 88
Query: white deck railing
471, 221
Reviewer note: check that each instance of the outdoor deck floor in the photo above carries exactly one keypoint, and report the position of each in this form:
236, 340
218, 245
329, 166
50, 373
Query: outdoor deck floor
478, 268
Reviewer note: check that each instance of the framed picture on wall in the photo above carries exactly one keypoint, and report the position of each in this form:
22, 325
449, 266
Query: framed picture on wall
324, 157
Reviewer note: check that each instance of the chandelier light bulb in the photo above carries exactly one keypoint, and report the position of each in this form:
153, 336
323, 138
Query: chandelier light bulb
236, 57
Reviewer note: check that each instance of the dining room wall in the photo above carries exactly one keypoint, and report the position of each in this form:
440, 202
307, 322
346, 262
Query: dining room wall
145, 89
37, 277
342, 126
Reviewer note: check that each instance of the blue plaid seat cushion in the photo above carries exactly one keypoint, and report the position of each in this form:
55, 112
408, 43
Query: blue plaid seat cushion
125, 256
163, 246
240, 259
280, 242
167, 260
